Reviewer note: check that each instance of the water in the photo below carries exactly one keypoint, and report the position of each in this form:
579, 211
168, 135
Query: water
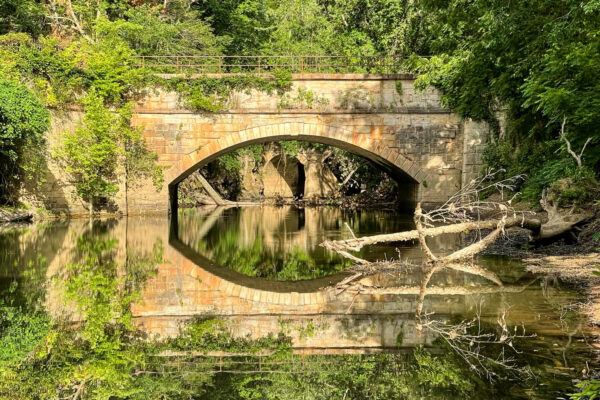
249, 291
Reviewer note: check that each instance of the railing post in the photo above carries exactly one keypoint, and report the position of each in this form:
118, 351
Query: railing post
219, 62
259, 60
301, 64
177, 63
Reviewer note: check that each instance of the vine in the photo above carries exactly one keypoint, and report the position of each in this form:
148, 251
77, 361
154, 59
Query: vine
212, 94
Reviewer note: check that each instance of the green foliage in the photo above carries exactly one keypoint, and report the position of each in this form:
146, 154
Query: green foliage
148, 32
532, 62
22, 328
440, 372
588, 389
139, 162
295, 27
23, 122
21, 16
304, 99
214, 94
545, 167
98, 357
213, 335
384, 376
282, 79
399, 87
59, 74
356, 98
91, 153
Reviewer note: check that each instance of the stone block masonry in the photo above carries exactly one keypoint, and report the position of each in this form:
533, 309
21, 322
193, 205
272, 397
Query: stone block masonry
429, 150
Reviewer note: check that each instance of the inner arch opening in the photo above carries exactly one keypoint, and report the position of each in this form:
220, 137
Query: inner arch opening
295, 168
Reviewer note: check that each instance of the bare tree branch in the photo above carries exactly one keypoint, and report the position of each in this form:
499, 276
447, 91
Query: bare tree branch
576, 156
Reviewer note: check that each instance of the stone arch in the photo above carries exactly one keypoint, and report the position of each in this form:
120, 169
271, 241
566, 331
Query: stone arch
406, 172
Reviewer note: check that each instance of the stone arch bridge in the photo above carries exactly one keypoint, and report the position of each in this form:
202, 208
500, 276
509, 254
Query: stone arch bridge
428, 149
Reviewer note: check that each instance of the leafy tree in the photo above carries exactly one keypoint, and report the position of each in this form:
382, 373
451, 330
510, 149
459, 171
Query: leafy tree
531, 61
23, 122
21, 16
385, 27
92, 154
148, 31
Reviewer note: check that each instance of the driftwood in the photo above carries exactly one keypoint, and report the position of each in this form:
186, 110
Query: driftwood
15, 216
557, 225
457, 215
356, 244
216, 197
461, 213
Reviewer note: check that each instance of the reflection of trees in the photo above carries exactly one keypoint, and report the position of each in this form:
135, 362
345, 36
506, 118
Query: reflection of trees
25, 254
268, 242
282, 242
96, 353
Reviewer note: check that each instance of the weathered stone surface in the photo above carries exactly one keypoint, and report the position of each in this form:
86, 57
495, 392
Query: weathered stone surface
430, 149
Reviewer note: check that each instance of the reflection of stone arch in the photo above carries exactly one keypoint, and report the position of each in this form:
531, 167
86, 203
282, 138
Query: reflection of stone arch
407, 172
300, 293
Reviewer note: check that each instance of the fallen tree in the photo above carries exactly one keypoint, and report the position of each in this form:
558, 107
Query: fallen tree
463, 213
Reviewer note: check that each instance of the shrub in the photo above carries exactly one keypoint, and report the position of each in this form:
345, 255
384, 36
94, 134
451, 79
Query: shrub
23, 121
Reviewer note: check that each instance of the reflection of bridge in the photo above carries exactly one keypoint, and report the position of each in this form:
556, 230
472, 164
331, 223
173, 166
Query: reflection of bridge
318, 317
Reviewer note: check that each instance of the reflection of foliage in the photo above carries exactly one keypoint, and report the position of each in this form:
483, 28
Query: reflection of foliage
237, 240
22, 328
259, 261
383, 376
94, 358
212, 335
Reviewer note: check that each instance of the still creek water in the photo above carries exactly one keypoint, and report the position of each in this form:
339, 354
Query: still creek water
261, 270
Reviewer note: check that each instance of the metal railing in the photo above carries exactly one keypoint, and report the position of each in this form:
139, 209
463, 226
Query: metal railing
179, 64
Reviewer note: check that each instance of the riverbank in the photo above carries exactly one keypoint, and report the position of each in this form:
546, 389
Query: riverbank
576, 263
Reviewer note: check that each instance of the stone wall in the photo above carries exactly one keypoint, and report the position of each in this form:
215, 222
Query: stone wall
382, 117
280, 178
